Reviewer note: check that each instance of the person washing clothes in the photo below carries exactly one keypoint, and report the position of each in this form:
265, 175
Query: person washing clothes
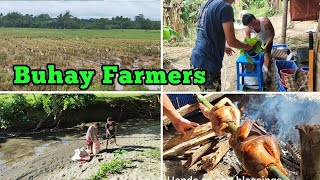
264, 30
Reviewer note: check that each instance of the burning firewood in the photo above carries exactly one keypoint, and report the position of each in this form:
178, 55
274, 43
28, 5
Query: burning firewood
197, 155
294, 151
210, 161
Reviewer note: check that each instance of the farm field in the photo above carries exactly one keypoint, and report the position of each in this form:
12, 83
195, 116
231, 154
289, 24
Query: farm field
76, 49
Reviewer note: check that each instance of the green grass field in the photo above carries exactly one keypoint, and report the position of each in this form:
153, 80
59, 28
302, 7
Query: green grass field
79, 33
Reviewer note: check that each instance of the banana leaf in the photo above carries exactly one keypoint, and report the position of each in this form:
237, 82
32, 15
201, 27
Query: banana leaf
257, 48
169, 33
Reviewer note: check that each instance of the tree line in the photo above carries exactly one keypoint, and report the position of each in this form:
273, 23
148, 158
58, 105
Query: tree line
25, 112
68, 21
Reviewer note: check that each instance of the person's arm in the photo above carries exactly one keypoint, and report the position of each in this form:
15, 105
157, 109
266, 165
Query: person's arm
228, 29
248, 32
229, 51
181, 124
107, 130
269, 28
96, 134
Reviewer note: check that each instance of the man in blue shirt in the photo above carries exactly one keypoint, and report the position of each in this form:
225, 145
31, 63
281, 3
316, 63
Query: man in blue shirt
215, 27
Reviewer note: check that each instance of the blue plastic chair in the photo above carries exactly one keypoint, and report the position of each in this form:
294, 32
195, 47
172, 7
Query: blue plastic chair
242, 72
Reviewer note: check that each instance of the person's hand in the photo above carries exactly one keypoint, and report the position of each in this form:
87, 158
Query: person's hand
229, 51
183, 124
248, 47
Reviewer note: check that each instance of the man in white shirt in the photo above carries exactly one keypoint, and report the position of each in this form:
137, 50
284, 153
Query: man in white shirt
264, 30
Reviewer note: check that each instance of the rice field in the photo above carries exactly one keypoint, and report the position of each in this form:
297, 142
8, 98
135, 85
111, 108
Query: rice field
76, 49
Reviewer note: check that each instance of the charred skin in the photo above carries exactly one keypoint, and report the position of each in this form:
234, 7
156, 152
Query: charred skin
255, 152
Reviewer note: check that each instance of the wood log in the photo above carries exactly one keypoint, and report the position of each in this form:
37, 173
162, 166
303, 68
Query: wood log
210, 161
204, 129
189, 152
197, 155
294, 151
289, 163
191, 107
181, 148
310, 148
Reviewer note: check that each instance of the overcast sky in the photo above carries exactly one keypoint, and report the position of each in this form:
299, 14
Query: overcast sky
86, 9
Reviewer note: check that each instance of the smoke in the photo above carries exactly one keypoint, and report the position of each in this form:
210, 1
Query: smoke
280, 113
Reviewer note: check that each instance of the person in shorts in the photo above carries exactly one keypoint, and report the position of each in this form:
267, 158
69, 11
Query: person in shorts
264, 30
111, 130
92, 134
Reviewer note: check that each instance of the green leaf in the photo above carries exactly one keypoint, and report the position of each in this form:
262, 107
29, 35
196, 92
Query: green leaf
249, 59
242, 52
251, 41
193, 14
166, 34
169, 33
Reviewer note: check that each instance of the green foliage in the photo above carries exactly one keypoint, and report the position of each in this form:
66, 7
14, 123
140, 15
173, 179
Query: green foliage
60, 102
16, 112
120, 152
257, 48
24, 112
116, 165
190, 10
169, 33
271, 13
258, 3
153, 154
68, 21
83, 34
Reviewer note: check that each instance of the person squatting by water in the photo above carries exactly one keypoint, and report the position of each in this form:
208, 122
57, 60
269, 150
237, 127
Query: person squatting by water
215, 36
92, 133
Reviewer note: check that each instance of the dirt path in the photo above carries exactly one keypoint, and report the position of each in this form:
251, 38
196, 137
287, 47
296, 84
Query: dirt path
56, 163
178, 57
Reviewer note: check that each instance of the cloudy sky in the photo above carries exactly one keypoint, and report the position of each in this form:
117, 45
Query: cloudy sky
86, 9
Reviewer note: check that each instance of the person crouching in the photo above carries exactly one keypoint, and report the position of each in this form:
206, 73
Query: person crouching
92, 133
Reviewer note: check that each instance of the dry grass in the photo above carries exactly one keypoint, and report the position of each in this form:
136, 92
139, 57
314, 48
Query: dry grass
78, 49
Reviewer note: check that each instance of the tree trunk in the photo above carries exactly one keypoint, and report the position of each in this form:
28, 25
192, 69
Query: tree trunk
310, 148
284, 22
39, 125
276, 5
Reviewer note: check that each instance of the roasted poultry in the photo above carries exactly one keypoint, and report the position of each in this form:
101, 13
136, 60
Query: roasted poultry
221, 114
255, 151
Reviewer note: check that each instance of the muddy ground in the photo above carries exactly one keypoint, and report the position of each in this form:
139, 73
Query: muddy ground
178, 57
55, 161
